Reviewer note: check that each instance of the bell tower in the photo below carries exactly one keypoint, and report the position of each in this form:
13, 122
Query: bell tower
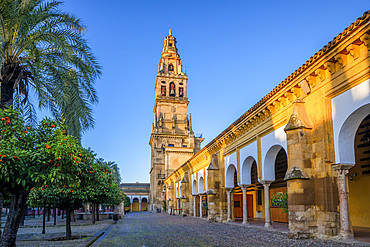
172, 140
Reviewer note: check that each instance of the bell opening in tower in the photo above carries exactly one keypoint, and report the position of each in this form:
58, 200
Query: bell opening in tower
172, 89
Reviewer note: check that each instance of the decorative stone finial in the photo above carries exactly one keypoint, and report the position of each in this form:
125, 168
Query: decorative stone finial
170, 31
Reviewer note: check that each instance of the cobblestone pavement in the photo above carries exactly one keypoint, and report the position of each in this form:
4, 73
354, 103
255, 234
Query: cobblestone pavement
152, 229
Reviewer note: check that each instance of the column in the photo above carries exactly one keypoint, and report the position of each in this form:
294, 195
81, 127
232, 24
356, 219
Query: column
228, 190
266, 192
341, 171
195, 206
245, 204
131, 203
139, 203
200, 205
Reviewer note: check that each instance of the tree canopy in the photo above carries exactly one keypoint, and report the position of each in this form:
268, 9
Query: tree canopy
43, 50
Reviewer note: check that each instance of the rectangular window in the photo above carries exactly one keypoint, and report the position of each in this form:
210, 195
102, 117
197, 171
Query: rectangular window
171, 145
259, 197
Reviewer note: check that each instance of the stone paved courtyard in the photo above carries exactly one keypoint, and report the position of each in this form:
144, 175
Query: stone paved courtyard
152, 229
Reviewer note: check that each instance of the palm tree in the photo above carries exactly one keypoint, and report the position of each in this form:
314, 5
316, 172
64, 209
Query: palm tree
116, 177
43, 51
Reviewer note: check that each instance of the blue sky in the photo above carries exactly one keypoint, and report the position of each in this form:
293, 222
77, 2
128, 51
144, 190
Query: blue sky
235, 53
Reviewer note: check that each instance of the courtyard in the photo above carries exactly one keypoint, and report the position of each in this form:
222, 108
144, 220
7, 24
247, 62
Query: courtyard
161, 229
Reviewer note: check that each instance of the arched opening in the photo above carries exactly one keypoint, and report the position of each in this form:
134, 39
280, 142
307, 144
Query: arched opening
181, 92
229, 183
201, 185
359, 181
250, 177
163, 90
279, 186
144, 204
135, 204
238, 199
172, 89
170, 66
194, 187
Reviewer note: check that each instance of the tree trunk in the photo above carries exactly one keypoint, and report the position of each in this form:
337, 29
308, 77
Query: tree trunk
55, 215
48, 209
93, 213
62, 214
38, 211
23, 217
97, 212
1, 209
6, 94
43, 219
68, 225
73, 218
17, 207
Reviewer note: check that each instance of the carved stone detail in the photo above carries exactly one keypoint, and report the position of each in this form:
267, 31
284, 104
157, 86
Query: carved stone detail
342, 59
320, 74
366, 39
330, 67
311, 80
354, 50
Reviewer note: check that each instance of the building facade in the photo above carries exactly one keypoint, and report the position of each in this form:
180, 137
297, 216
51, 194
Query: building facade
138, 194
309, 138
172, 140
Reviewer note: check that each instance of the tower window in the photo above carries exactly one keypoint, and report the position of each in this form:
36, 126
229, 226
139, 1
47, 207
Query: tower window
171, 145
170, 44
181, 91
163, 90
170, 67
172, 89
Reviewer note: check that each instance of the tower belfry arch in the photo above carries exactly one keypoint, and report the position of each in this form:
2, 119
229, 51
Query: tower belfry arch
172, 139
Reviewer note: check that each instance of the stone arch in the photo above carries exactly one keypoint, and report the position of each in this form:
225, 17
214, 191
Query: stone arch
135, 199
347, 133
246, 170
268, 168
194, 187
144, 200
201, 185
229, 180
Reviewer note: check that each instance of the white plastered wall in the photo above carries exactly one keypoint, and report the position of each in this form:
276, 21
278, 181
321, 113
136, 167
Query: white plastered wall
247, 155
348, 111
270, 146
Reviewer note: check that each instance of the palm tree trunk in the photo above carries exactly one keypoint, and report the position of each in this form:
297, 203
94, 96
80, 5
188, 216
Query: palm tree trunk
17, 207
6, 95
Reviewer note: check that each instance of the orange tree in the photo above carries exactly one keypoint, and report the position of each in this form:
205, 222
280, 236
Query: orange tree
101, 188
22, 165
67, 189
33, 157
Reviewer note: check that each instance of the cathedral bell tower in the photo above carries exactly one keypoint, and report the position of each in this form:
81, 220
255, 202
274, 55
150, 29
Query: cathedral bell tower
172, 140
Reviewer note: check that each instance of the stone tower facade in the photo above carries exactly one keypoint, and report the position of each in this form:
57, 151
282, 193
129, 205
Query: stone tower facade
172, 140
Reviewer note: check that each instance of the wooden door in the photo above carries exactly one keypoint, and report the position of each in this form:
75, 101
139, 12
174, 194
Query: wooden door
238, 206
250, 206
277, 213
